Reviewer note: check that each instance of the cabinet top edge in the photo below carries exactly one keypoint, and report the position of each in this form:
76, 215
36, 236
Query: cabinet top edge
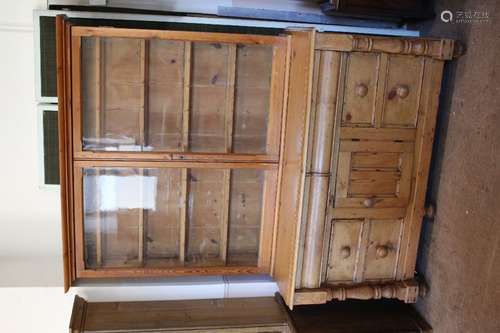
441, 49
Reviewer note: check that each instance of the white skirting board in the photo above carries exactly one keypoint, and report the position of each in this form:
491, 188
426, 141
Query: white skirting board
179, 288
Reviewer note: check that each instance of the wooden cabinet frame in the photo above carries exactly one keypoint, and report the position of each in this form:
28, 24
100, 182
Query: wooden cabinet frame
283, 161
302, 184
361, 228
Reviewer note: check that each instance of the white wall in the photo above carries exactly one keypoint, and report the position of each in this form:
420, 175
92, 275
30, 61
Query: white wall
29, 220
31, 276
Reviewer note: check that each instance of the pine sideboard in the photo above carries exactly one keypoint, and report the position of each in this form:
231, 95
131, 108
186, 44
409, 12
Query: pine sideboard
292, 153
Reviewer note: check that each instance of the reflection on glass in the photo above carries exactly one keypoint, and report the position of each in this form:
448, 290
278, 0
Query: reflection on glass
167, 217
135, 95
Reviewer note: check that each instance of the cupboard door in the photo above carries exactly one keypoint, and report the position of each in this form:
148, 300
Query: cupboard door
373, 174
382, 249
179, 94
345, 242
363, 250
360, 90
402, 91
171, 217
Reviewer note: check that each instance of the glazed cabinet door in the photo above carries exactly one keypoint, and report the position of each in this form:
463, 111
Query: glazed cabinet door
172, 150
176, 93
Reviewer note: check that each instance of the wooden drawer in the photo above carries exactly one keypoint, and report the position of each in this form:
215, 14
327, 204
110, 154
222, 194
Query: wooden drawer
360, 90
344, 249
402, 88
373, 174
382, 249
363, 250
381, 90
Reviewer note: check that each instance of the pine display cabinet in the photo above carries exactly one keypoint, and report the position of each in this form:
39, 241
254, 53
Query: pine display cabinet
291, 153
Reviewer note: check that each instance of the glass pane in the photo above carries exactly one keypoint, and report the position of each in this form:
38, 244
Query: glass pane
245, 216
252, 98
165, 95
162, 224
205, 214
135, 93
209, 85
133, 217
112, 93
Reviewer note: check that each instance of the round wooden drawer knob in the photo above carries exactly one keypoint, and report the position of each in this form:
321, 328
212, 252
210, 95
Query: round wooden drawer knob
361, 90
368, 203
345, 252
402, 91
382, 251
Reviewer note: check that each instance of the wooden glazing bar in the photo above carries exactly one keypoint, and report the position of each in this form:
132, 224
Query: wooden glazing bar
230, 96
186, 96
194, 36
98, 224
143, 139
174, 164
99, 128
168, 271
174, 156
186, 99
183, 215
142, 220
229, 118
100, 84
226, 200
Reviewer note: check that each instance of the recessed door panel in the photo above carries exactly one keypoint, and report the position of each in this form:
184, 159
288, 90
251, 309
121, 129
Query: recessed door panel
382, 249
345, 242
360, 91
402, 91
373, 174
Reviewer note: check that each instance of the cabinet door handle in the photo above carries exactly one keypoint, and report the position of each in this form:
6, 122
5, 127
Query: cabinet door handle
368, 203
382, 251
402, 91
361, 89
345, 252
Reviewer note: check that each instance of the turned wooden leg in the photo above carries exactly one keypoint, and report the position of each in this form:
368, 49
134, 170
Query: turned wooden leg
406, 291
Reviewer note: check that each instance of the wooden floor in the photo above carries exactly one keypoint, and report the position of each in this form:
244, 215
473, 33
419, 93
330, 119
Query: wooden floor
460, 254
